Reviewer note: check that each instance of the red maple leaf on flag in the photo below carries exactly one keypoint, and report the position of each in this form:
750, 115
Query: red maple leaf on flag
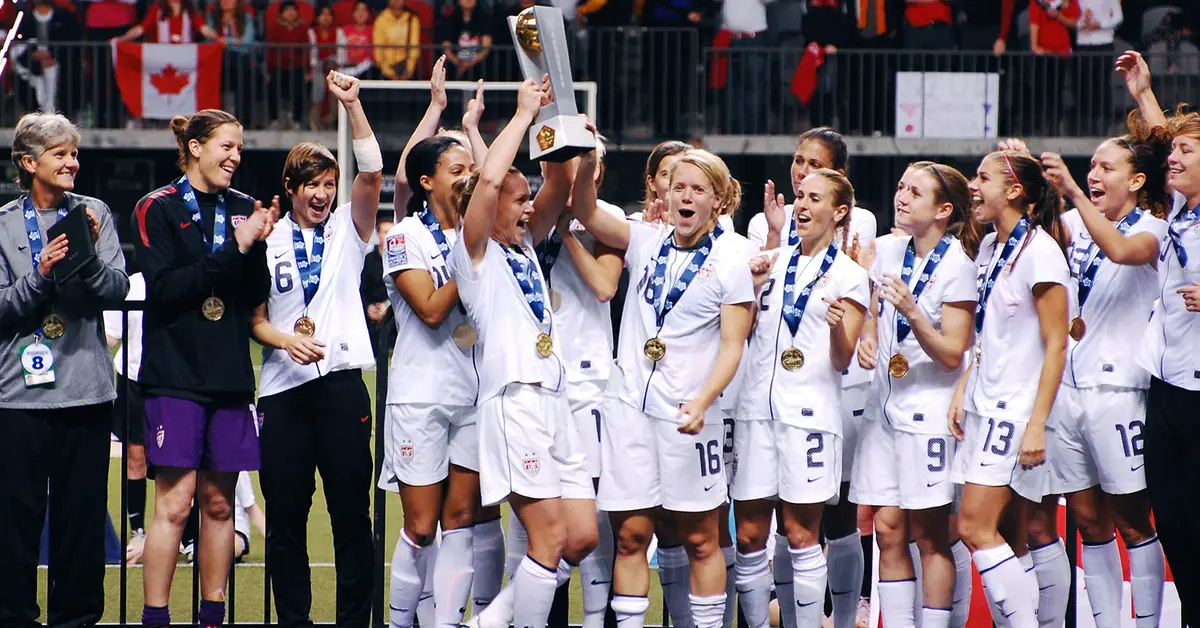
169, 81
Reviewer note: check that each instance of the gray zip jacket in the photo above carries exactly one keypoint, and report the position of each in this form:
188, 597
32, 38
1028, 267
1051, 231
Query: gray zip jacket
82, 363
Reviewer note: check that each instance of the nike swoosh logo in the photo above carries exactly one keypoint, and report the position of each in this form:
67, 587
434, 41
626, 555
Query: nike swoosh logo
1137, 468
600, 582
1097, 614
184, 225
929, 485
1145, 616
1045, 587
435, 256
709, 488
811, 480
1010, 614
988, 464
281, 255
802, 604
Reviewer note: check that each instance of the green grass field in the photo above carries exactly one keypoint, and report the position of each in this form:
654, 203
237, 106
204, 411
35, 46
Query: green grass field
247, 593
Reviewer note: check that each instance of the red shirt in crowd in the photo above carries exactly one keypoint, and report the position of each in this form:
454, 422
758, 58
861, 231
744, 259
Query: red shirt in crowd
176, 29
358, 40
291, 51
929, 13
1053, 37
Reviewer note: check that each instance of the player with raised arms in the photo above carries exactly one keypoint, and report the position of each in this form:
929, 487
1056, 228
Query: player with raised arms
818, 148
924, 298
530, 451
314, 406
811, 302
201, 247
1000, 406
682, 336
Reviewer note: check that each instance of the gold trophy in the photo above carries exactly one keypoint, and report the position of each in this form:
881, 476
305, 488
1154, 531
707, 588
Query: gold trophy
558, 133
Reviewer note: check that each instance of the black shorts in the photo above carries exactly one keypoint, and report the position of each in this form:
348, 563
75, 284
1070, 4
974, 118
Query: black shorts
135, 404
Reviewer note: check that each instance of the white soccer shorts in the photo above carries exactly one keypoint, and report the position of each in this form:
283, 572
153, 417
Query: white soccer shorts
528, 445
647, 462
422, 440
854, 406
903, 469
589, 405
1097, 439
776, 460
727, 451
990, 456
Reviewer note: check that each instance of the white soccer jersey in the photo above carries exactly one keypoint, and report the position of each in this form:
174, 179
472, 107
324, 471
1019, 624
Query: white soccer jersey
581, 317
427, 366
919, 401
691, 330
114, 323
507, 350
336, 308
1004, 384
811, 396
1169, 344
1116, 310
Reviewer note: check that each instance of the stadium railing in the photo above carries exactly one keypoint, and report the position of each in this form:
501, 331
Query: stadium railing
659, 84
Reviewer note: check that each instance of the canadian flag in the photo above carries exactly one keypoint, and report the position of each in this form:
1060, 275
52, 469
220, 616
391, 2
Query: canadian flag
160, 81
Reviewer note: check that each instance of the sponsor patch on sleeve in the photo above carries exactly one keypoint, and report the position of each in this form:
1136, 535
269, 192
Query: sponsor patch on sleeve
395, 250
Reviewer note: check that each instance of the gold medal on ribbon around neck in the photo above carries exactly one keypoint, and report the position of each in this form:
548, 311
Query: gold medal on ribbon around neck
464, 336
53, 326
792, 359
213, 309
305, 327
1078, 328
898, 366
655, 349
545, 345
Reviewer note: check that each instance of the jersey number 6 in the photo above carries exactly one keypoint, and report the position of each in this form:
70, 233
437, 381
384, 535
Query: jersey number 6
283, 279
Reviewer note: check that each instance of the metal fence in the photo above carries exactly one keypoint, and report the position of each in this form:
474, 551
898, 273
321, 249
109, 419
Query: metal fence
653, 84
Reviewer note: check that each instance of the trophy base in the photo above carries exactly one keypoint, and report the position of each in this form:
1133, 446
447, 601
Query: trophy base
560, 138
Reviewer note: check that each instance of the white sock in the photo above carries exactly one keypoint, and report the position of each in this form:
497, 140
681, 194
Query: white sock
406, 581
630, 610
498, 614
1105, 582
1053, 572
533, 594
488, 552
784, 580
1031, 581
1147, 571
935, 617
896, 603
596, 574
752, 576
563, 575
517, 546
730, 618
425, 609
914, 553
962, 585
452, 574
1005, 582
810, 575
675, 577
845, 556
708, 611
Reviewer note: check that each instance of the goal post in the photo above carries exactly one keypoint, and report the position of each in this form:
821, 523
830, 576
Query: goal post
585, 94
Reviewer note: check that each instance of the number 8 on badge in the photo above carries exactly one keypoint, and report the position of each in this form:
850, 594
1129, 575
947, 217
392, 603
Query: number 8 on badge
37, 362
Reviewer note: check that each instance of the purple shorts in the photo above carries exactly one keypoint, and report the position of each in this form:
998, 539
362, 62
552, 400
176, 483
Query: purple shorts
190, 435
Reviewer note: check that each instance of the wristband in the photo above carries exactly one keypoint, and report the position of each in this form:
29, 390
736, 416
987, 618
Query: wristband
368, 155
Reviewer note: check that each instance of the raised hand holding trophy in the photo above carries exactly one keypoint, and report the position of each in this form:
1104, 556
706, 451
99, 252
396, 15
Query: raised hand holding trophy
559, 132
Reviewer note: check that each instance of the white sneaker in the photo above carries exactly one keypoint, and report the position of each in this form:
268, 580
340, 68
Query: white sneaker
136, 547
862, 618
189, 552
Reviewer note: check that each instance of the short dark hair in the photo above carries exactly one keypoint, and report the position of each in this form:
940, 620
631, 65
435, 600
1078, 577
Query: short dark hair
305, 162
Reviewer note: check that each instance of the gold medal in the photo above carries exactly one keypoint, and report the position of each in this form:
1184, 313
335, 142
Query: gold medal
213, 309
1078, 328
898, 366
53, 326
545, 345
792, 359
305, 327
555, 299
655, 349
464, 336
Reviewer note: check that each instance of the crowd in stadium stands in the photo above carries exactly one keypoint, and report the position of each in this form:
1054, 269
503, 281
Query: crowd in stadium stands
396, 39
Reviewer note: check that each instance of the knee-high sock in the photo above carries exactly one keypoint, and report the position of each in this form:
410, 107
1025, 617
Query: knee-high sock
517, 547
810, 577
425, 609
488, 551
675, 577
914, 553
630, 610
533, 593
730, 588
452, 575
1105, 582
1031, 583
935, 617
1005, 583
846, 568
784, 582
962, 585
752, 576
1147, 572
896, 603
406, 581
596, 574
1053, 573
708, 611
